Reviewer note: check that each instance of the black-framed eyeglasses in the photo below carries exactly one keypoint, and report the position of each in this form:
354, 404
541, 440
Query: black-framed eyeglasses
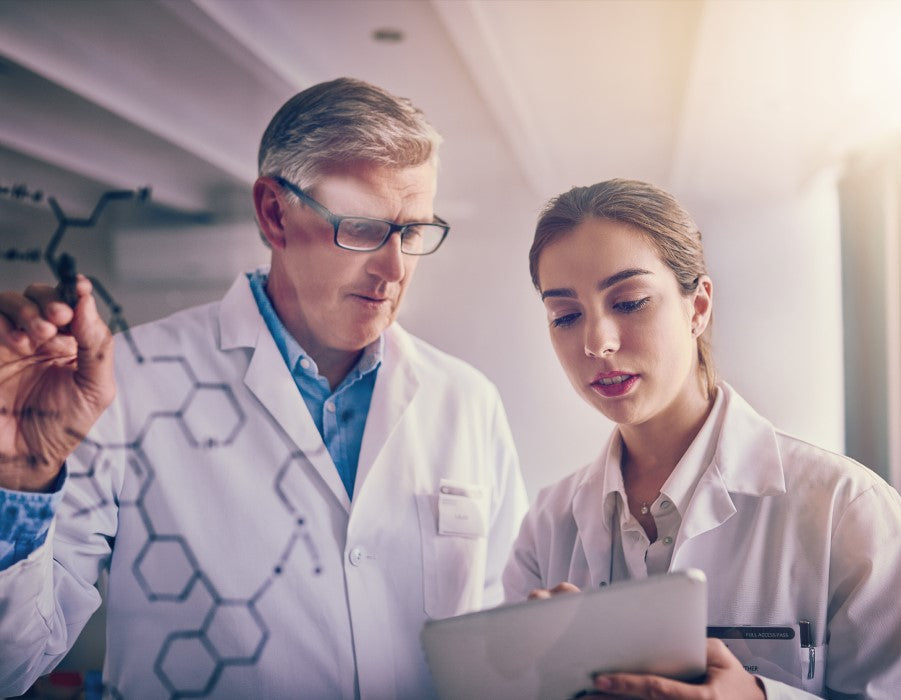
361, 233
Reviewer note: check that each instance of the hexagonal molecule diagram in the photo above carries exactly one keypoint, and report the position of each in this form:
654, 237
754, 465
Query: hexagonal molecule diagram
190, 661
187, 666
211, 416
165, 568
236, 631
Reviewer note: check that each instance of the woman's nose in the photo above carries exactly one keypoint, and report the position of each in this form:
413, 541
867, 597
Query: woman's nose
601, 338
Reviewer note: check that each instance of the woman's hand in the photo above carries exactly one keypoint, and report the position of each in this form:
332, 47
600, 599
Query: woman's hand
542, 593
726, 680
56, 378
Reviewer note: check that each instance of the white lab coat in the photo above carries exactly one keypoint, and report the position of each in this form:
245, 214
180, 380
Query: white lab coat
784, 532
208, 492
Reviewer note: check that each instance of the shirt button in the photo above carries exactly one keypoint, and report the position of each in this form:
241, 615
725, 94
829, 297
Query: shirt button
356, 556
667, 540
305, 363
330, 407
664, 504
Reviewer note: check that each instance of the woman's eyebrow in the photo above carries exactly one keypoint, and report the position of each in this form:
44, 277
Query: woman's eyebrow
558, 292
622, 275
567, 292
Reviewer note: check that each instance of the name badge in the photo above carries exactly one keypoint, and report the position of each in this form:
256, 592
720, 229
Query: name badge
462, 509
774, 652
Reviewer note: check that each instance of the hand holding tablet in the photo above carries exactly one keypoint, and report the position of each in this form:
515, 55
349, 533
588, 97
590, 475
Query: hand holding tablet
553, 648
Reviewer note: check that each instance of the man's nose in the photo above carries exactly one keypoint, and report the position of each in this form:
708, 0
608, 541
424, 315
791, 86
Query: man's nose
388, 261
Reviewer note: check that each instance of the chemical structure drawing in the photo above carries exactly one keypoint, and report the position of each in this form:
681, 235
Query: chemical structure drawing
209, 417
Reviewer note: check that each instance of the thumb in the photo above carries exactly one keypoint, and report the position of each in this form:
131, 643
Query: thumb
95, 348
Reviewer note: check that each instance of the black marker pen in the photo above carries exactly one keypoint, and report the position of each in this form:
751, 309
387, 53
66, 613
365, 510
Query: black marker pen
65, 272
807, 643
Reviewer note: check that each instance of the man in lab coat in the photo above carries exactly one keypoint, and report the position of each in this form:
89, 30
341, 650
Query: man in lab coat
288, 484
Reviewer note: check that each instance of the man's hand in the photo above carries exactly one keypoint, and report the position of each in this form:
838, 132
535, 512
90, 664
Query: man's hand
726, 680
56, 378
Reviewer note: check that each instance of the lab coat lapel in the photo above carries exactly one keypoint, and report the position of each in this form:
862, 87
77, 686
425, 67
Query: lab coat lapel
395, 387
593, 514
746, 461
269, 379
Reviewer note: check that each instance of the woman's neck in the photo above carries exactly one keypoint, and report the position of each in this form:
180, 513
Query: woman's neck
652, 449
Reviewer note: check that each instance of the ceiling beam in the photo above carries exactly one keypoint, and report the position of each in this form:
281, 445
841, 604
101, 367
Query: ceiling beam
481, 52
84, 48
250, 24
44, 122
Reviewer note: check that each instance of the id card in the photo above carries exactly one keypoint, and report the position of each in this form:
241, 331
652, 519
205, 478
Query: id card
774, 652
462, 509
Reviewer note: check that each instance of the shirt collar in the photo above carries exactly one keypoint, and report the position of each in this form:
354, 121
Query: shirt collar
683, 480
292, 352
681, 484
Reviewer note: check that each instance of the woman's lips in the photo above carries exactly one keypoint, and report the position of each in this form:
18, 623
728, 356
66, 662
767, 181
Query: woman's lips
610, 384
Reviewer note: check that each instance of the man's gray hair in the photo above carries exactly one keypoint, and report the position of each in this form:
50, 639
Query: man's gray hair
342, 122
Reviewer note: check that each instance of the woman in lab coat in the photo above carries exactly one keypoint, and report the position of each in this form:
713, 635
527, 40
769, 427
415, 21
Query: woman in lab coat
788, 534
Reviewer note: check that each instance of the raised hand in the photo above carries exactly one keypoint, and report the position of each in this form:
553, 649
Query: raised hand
56, 378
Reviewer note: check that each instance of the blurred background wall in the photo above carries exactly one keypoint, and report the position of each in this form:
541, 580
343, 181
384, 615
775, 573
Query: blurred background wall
753, 114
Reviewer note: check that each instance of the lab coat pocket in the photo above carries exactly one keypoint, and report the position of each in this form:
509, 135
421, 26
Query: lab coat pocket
777, 653
453, 553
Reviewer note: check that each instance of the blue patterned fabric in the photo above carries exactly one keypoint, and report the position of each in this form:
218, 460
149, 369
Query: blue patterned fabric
25, 520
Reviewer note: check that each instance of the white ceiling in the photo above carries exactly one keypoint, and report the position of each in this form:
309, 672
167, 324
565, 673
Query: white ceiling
716, 100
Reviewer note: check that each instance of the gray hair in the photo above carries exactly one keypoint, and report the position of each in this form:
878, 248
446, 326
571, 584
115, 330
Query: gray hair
341, 122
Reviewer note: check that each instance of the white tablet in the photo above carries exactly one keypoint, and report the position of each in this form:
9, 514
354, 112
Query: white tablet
552, 648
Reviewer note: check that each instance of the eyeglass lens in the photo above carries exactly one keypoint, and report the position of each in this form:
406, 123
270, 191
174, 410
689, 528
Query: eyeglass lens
366, 234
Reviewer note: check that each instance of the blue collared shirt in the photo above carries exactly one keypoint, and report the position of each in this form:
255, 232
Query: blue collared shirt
339, 415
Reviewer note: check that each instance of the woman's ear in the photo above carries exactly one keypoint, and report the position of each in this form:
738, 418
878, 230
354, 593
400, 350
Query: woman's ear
270, 211
702, 306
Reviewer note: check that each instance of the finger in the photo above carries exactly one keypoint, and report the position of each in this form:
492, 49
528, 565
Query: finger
14, 338
717, 650
81, 288
718, 654
41, 294
647, 687
50, 301
95, 350
539, 594
25, 315
565, 587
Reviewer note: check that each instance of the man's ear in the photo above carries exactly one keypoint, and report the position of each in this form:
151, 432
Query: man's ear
270, 210
702, 305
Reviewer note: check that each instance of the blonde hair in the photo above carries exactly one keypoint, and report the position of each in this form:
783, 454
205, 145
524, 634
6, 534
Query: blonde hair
656, 213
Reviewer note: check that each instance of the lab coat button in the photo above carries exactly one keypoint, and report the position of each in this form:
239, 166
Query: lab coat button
356, 556
664, 504
667, 540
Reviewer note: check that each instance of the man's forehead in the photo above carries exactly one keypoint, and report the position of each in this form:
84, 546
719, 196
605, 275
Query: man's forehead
414, 184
